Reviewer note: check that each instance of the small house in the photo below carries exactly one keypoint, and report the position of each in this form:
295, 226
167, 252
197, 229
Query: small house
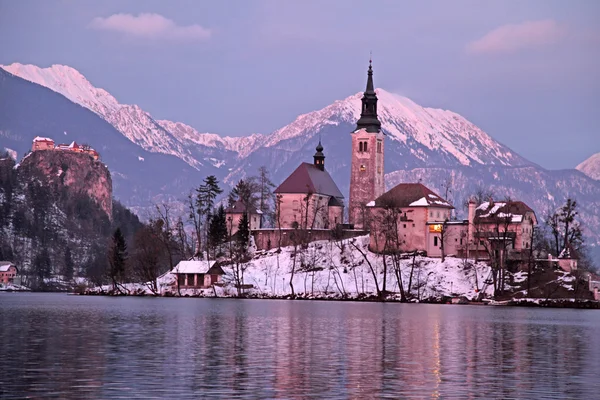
8, 271
197, 274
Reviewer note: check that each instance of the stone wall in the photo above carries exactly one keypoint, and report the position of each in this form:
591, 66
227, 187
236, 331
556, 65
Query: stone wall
266, 239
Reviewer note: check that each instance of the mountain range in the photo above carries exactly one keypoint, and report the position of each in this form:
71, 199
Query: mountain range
153, 159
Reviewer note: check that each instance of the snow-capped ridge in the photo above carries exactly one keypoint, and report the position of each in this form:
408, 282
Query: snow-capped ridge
591, 166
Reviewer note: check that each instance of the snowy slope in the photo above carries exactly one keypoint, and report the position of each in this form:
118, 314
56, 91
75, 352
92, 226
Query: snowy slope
133, 122
591, 167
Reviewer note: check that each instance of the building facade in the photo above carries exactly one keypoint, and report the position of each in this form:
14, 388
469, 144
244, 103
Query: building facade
309, 198
234, 213
366, 174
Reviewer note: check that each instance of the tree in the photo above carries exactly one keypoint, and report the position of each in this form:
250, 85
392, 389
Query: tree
245, 192
217, 230
265, 192
240, 252
117, 258
41, 269
206, 195
570, 227
69, 265
148, 255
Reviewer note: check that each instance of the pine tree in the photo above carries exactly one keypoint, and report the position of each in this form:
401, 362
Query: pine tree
217, 232
117, 258
206, 195
243, 232
69, 266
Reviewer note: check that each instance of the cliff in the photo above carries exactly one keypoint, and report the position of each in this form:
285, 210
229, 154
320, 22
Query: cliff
70, 172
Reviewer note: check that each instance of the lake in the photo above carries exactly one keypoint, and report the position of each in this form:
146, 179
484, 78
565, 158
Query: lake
79, 347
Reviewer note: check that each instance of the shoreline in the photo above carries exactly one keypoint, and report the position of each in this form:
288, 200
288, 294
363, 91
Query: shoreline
531, 302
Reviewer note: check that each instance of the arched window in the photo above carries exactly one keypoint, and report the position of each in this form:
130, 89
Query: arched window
360, 147
365, 146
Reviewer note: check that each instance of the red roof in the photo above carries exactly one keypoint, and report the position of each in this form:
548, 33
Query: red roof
307, 178
411, 195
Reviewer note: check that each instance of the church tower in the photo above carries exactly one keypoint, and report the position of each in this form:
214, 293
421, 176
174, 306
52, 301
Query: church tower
366, 174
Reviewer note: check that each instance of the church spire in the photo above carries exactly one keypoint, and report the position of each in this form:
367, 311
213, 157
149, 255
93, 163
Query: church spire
319, 157
368, 116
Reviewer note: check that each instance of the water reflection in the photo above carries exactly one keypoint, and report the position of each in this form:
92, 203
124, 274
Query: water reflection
94, 347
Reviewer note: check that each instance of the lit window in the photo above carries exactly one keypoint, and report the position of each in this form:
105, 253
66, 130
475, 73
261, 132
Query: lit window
362, 167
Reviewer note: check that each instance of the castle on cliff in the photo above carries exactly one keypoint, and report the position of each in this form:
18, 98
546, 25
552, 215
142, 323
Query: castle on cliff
44, 143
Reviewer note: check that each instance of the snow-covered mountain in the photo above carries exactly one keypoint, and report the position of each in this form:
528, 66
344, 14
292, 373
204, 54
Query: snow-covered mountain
422, 143
136, 124
591, 167
430, 136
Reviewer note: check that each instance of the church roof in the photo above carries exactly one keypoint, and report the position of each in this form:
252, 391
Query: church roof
239, 208
411, 195
307, 178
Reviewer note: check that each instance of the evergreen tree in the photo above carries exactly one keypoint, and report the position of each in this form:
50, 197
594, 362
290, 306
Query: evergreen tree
42, 269
243, 233
245, 192
117, 258
217, 232
69, 266
206, 195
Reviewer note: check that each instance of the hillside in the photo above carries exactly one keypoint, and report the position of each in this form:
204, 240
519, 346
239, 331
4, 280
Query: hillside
57, 206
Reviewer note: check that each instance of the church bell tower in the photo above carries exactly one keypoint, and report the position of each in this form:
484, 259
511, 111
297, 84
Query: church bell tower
366, 174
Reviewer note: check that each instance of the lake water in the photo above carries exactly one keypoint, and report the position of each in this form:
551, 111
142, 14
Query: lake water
76, 347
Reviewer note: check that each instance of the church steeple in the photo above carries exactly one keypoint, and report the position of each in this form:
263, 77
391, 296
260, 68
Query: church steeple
368, 116
319, 157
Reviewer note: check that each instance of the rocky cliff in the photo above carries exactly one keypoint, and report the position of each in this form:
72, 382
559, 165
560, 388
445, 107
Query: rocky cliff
77, 173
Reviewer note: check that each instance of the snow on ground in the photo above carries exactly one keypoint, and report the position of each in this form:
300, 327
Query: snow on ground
340, 269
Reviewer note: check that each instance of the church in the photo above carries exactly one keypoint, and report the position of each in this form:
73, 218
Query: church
309, 198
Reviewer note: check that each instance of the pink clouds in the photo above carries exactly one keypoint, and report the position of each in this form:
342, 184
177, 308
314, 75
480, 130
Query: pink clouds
150, 26
515, 37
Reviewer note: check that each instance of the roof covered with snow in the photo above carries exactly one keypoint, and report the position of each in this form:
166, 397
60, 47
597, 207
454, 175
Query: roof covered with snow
411, 195
515, 210
307, 178
5, 265
42, 139
193, 267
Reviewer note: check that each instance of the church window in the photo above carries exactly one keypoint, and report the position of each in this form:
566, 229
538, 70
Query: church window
365, 146
379, 146
360, 148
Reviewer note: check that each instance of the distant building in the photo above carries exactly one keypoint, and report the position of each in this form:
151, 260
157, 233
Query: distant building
42, 143
503, 226
8, 271
309, 198
419, 214
197, 274
366, 173
234, 213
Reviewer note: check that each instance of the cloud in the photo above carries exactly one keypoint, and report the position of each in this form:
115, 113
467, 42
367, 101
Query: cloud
515, 37
150, 26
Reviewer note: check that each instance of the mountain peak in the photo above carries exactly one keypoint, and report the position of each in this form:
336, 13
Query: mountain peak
591, 167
